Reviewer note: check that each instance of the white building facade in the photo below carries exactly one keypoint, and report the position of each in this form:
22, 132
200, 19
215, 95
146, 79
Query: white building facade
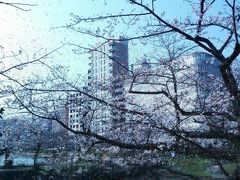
107, 70
78, 111
191, 79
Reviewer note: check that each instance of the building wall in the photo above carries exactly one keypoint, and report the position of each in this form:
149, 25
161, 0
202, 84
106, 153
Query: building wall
197, 77
105, 77
78, 111
62, 115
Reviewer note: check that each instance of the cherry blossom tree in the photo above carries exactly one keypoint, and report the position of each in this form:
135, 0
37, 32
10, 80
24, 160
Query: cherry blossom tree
204, 125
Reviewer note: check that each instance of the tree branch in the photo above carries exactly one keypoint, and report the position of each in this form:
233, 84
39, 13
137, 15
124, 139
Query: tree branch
18, 5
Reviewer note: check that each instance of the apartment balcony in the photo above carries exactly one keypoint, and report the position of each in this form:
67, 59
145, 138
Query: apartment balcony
89, 77
112, 43
90, 63
113, 56
112, 50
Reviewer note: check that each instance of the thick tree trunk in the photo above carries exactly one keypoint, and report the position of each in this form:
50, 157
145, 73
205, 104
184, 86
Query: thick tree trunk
232, 87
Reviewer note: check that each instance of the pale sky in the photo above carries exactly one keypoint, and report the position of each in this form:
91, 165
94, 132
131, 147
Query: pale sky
34, 31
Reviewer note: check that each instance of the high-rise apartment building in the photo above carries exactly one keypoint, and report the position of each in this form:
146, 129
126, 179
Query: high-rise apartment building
61, 113
208, 70
196, 78
202, 76
108, 68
